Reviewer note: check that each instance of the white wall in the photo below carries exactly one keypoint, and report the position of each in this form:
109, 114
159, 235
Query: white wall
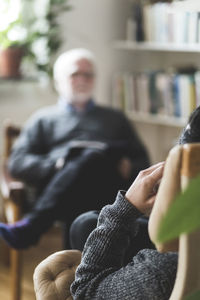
95, 25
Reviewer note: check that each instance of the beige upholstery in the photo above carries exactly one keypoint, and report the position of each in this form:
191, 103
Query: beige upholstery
54, 275
52, 278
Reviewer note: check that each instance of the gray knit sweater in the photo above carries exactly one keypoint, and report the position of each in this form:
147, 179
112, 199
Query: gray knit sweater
103, 273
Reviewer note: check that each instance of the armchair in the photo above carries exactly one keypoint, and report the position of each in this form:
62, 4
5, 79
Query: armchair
13, 195
181, 166
54, 275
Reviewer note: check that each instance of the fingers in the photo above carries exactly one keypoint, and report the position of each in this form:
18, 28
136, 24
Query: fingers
157, 173
153, 167
152, 175
142, 193
151, 180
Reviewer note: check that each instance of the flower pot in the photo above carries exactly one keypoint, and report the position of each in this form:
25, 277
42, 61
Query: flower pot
10, 60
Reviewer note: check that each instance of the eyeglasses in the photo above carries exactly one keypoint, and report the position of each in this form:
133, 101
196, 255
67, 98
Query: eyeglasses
86, 75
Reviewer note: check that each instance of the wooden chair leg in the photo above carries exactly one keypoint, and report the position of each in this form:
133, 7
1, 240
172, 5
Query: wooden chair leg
5, 254
13, 259
5, 249
16, 274
15, 256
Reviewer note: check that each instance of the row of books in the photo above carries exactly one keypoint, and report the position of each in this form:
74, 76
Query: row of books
157, 92
165, 23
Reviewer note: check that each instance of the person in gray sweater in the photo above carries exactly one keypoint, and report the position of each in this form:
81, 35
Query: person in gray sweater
112, 265
107, 269
69, 151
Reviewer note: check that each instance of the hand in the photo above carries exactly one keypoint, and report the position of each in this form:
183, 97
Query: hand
143, 190
60, 163
125, 167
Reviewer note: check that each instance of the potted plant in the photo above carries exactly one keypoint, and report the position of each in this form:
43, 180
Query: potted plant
12, 50
29, 31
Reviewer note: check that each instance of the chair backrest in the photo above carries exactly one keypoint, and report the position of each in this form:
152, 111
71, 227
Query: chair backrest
182, 164
10, 188
11, 132
188, 273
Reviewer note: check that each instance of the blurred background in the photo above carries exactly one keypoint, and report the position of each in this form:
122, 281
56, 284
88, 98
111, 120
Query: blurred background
125, 38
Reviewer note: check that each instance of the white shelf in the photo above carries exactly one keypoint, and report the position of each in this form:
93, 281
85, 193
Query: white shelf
153, 46
157, 119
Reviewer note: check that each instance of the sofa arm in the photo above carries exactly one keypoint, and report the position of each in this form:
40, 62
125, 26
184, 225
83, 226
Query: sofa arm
53, 276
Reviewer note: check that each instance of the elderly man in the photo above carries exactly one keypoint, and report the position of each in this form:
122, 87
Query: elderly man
76, 154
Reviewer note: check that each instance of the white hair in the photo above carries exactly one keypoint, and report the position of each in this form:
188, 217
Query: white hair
64, 64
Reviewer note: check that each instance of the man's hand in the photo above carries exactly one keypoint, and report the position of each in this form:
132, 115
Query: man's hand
124, 167
143, 190
60, 163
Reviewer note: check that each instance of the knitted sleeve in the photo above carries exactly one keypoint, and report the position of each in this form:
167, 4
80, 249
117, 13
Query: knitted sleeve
102, 273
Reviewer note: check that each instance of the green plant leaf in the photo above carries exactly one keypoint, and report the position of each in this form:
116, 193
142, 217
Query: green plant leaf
193, 296
183, 215
30, 22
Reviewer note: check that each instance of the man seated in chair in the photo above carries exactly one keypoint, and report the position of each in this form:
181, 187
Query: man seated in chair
77, 154
112, 266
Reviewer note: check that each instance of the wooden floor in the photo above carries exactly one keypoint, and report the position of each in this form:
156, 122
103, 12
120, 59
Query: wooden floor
49, 243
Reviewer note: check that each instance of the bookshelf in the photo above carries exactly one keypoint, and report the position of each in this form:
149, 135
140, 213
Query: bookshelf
153, 46
156, 119
160, 131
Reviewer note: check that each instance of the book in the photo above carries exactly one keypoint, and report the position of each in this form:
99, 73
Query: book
158, 92
184, 95
143, 101
171, 22
176, 95
192, 27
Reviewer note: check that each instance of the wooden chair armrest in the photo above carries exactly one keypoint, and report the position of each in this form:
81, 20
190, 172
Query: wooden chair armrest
10, 187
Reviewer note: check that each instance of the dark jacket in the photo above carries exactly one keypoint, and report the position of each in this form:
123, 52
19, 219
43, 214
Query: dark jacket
50, 133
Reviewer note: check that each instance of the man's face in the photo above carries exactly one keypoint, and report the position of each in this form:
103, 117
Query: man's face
81, 80
77, 87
